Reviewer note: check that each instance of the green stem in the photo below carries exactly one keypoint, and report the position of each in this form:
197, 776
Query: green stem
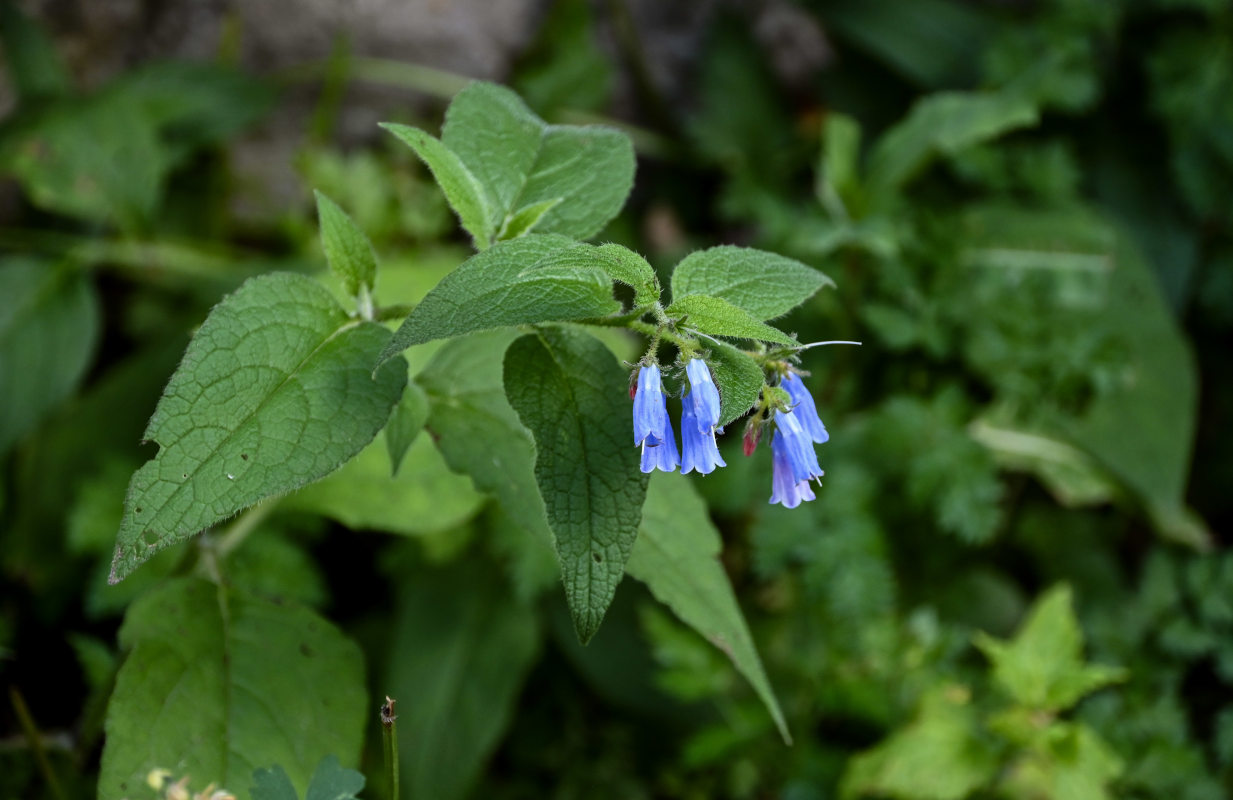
389, 738
36, 741
244, 524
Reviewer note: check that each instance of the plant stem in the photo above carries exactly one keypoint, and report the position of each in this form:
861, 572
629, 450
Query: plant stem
389, 737
36, 741
244, 524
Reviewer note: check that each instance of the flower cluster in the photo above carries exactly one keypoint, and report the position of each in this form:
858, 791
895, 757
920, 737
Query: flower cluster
699, 421
796, 430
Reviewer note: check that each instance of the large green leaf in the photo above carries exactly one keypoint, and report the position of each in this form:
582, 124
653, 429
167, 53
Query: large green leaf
572, 395
522, 162
49, 321
274, 391
526, 280
424, 498
462, 645
677, 557
764, 284
218, 682
477, 431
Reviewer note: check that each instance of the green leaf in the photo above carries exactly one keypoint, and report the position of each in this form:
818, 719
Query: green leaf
764, 284
512, 283
942, 124
405, 424
838, 179
1042, 667
572, 395
30, 54
718, 317
49, 326
457, 664
424, 498
218, 681
332, 781
461, 188
476, 429
272, 783
347, 249
274, 391
524, 221
940, 755
677, 557
738, 378
626, 266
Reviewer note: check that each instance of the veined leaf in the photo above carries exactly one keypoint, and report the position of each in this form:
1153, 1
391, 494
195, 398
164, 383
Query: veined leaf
718, 317
274, 391
512, 283
477, 431
347, 249
218, 682
764, 284
677, 557
405, 424
461, 188
522, 162
570, 392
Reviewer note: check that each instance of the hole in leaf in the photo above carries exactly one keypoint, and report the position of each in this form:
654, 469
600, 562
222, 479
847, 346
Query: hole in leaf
598, 558
149, 537
244, 456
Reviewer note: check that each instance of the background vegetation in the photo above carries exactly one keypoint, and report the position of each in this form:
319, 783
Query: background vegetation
1014, 580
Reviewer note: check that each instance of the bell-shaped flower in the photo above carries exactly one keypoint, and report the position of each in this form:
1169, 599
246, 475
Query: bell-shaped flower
703, 396
785, 488
698, 449
804, 409
652, 428
792, 439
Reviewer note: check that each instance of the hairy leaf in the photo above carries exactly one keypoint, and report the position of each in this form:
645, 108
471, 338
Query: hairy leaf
764, 284
347, 249
718, 317
522, 162
218, 682
738, 378
677, 557
331, 781
461, 188
571, 393
512, 283
274, 391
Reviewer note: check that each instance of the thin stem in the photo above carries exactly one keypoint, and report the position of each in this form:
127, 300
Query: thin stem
363, 303
822, 344
36, 741
389, 738
244, 524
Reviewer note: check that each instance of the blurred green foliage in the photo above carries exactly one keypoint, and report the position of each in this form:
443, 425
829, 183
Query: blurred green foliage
1025, 208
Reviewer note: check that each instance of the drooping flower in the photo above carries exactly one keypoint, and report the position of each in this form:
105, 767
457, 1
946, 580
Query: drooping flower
785, 488
703, 396
698, 449
652, 428
791, 438
804, 408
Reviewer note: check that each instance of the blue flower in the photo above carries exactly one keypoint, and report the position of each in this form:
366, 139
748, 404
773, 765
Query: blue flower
805, 410
785, 488
652, 428
699, 451
703, 397
793, 441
